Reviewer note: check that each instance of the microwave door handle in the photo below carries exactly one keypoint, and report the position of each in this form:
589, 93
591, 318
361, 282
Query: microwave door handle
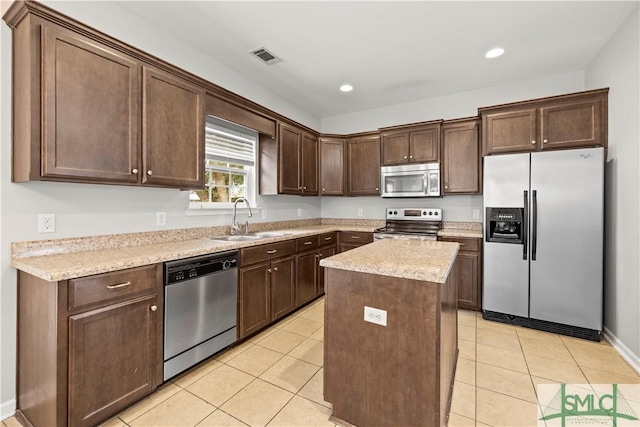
526, 225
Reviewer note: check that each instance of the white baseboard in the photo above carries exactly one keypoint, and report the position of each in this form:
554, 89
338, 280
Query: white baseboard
631, 358
7, 409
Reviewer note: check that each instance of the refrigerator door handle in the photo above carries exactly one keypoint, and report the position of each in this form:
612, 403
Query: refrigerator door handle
526, 225
534, 225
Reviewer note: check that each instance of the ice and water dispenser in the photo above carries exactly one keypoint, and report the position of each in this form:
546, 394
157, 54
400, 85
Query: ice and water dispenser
505, 225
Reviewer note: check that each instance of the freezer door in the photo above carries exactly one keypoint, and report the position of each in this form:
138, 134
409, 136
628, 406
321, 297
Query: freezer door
567, 251
505, 272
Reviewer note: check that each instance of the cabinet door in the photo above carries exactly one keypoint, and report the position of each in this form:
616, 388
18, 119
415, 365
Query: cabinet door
306, 276
395, 148
510, 131
309, 163
254, 293
289, 160
282, 287
112, 359
424, 145
461, 161
90, 99
332, 167
579, 123
363, 168
468, 280
325, 252
172, 132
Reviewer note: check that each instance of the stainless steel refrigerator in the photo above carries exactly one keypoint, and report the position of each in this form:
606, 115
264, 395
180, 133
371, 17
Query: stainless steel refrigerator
543, 245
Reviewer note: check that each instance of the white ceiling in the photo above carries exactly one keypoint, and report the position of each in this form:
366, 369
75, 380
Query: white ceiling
392, 52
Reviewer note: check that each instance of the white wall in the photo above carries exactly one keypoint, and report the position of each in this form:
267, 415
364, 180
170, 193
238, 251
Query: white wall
617, 66
83, 210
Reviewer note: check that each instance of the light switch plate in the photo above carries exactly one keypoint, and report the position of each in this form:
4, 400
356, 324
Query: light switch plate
161, 218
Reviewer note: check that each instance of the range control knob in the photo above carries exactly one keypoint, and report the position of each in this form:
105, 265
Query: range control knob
424, 213
436, 213
430, 213
395, 212
390, 212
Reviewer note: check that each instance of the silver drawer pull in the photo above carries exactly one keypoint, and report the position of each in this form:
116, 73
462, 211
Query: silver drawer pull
272, 251
308, 243
328, 238
355, 237
121, 285
268, 270
275, 268
462, 244
154, 307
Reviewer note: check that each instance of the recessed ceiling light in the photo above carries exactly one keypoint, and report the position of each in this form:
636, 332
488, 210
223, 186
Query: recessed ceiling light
346, 87
494, 53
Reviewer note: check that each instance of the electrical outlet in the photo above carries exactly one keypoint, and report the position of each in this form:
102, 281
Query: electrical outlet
476, 213
375, 315
359, 212
46, 223
299, 212
264, 214
161, 218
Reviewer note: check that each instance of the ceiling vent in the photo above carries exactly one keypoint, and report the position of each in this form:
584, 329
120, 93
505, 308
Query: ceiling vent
266, 56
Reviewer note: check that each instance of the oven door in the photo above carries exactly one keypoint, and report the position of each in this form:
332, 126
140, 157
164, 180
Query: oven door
410, 181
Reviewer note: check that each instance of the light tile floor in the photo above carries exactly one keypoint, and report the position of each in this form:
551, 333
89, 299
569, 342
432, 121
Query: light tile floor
275, 378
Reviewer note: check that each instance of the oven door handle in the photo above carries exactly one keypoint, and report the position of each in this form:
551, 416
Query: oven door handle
525, 232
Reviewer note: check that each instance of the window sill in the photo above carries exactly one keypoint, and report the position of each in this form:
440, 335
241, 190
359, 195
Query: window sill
219, 210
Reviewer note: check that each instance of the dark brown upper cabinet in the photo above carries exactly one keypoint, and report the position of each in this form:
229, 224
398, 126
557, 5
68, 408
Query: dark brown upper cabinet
417, 143
460, 157
363, 165
332, 179
297, 161
568, 121
86, 111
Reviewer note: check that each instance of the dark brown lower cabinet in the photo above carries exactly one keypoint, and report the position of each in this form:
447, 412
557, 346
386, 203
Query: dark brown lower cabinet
87, 347
282, 287
111, 359
469, 272
352, 239
306, 276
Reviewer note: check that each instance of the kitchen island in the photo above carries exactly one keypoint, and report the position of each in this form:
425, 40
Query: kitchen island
394, 366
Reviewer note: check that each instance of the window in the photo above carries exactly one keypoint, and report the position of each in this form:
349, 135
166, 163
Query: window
230, 159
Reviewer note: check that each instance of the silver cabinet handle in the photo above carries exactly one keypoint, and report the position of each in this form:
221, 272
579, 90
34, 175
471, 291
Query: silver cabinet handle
154, 307
533, 142
308, 243
411, 157
324, 189
376, 188
134, 171
300, 188
446, 186
272, 251
304, 188
120, 285
328, 238
545, 140
275, 268
405, 157
149, 172
269, 270
355, 237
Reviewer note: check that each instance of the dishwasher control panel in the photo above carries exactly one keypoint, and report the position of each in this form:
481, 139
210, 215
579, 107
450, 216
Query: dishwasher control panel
191, 268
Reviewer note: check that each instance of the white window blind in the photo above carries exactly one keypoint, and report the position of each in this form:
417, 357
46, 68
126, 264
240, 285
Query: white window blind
227, 142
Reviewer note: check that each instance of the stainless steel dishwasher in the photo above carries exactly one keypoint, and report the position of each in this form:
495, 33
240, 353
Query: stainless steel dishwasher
200, 305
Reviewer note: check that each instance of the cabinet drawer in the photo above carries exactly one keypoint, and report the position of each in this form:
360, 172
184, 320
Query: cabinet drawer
361, 237
306, 243
111, 287
467, 245
261, 253
327, 239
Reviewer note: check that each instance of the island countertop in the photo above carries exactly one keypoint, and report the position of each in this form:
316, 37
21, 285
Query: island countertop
424, 260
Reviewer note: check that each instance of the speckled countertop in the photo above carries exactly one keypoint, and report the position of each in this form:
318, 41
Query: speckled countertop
61, 259
424, 260
67, 265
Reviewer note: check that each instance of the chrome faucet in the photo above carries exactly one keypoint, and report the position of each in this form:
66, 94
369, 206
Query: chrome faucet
234, 224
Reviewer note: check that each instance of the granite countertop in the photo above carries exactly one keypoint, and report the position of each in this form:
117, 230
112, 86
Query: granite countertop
424, 260
468, 230
68, 265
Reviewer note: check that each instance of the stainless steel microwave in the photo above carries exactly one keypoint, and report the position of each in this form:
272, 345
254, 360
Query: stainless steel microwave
415, 180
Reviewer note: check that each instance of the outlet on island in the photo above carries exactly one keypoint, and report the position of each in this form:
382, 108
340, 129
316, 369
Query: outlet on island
375, 315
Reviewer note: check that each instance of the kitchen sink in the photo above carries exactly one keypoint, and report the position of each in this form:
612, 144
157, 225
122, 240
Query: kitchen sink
236, 238
250, 236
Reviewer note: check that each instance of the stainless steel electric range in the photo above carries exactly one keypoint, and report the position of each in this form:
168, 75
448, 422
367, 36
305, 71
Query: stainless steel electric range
410, 223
